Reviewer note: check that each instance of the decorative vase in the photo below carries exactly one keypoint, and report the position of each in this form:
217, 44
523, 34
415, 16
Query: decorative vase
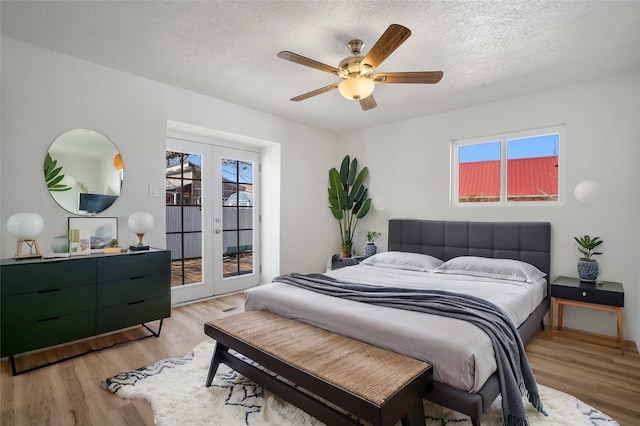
587, 271
370, 249
60, 245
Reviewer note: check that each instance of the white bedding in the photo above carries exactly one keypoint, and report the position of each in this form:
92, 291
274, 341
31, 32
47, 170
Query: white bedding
461, 354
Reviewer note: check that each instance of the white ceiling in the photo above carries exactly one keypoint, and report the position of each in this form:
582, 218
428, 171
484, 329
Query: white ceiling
227, 49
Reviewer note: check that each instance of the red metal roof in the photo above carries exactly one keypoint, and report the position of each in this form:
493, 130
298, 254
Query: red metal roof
525, 177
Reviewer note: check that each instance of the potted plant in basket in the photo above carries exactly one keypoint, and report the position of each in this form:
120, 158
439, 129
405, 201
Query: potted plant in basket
348, 200
587, 266
369, 247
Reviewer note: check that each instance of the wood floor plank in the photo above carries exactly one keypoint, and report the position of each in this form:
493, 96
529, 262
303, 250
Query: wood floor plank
582, 364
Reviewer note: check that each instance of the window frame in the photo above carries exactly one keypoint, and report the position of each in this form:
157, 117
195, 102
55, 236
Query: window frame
503, 139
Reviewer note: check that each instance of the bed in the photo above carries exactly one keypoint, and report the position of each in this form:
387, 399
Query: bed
464, 366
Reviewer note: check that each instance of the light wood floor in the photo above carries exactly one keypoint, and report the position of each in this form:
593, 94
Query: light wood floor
68, 393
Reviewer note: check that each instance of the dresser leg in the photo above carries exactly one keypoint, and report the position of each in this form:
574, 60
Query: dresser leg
12, 360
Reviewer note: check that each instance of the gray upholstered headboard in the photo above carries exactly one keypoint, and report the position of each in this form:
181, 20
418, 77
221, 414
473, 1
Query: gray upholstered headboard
526, 241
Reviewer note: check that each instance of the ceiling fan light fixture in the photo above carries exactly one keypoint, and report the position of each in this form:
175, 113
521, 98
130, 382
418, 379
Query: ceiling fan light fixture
356, 88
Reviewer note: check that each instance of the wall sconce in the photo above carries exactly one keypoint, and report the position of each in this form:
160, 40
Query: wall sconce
140, 223
586, 191
26, 227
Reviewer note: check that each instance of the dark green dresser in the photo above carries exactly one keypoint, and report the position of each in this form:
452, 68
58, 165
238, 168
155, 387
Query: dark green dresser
52, 301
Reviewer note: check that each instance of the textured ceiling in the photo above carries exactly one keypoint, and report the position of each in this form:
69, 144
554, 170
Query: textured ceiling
227, 49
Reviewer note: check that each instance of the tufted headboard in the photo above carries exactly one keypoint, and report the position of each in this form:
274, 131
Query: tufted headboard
526, 241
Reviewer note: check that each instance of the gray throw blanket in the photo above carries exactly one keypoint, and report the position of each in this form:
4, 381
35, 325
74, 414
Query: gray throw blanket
514, 372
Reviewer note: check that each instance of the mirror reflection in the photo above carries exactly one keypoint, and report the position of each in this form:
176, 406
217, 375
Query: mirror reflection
83, 171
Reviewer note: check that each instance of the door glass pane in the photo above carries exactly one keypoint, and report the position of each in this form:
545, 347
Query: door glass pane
479, 173
237, 217
184, 216
532, 168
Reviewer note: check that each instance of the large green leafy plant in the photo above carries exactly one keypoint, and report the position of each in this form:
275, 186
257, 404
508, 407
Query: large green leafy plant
348, 200
53, 175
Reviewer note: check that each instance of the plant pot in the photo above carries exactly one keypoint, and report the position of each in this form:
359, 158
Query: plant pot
587, 271
60, 245
345, 255
370, 249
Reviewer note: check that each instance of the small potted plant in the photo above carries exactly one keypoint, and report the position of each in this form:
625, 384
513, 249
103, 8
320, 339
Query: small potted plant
369, 247
587, 266
114, 247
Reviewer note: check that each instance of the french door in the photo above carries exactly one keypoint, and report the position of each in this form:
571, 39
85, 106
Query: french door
212, 219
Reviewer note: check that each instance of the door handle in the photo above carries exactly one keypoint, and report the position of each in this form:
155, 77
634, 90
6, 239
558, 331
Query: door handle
218, 231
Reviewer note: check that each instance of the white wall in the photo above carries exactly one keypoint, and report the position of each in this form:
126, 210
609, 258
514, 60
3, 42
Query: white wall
45, 93
410, 172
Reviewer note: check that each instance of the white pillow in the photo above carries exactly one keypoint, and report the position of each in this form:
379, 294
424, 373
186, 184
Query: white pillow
403, 260
503, 269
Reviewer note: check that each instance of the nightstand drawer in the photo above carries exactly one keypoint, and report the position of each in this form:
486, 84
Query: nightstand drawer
588, 293
338, 262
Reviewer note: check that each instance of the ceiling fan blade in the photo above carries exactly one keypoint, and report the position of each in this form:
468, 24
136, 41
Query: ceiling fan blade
298, 59
393, 37
368, 103
419, 77
315, 92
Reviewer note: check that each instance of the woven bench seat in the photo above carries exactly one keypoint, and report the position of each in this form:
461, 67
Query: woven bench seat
372, 384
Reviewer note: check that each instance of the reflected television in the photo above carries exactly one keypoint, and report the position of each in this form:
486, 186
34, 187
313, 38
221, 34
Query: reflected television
95, 203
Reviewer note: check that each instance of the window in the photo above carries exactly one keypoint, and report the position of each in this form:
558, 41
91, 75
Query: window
184, 216
507, 169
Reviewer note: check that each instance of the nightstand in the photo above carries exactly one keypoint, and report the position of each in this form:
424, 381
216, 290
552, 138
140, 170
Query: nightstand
338, 262
604, 296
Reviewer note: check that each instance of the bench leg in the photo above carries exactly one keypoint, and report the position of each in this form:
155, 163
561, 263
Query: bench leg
216, 359
415, 417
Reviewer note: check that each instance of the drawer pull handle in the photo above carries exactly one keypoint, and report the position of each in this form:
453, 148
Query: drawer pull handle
137, 278
584, 294
53, 290
48, 319
136, 302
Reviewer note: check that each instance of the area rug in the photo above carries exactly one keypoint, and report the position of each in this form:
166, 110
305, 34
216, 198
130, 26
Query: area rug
175, 388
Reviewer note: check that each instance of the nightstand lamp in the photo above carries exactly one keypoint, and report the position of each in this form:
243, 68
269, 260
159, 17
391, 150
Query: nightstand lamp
140, 223
26, 227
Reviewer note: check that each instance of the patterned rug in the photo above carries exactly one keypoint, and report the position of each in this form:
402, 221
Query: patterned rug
175, 388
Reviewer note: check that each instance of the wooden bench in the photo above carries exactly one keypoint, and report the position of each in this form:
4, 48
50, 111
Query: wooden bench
370, 383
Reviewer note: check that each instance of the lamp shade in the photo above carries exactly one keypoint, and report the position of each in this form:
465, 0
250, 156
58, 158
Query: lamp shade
140, 222
356, 88
25, 226
117, 162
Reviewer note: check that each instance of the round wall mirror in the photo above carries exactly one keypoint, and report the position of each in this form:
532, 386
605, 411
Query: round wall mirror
83, 171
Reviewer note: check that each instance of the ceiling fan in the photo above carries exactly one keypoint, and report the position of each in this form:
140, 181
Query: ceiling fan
358, 80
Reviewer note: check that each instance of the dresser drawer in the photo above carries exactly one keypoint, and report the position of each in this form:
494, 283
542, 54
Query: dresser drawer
133, 265
135, 313
47, 304
129, 290
31, 278
588, 295
28, 336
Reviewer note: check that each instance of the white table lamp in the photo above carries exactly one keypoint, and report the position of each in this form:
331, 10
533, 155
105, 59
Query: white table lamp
140, 223
26, 227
